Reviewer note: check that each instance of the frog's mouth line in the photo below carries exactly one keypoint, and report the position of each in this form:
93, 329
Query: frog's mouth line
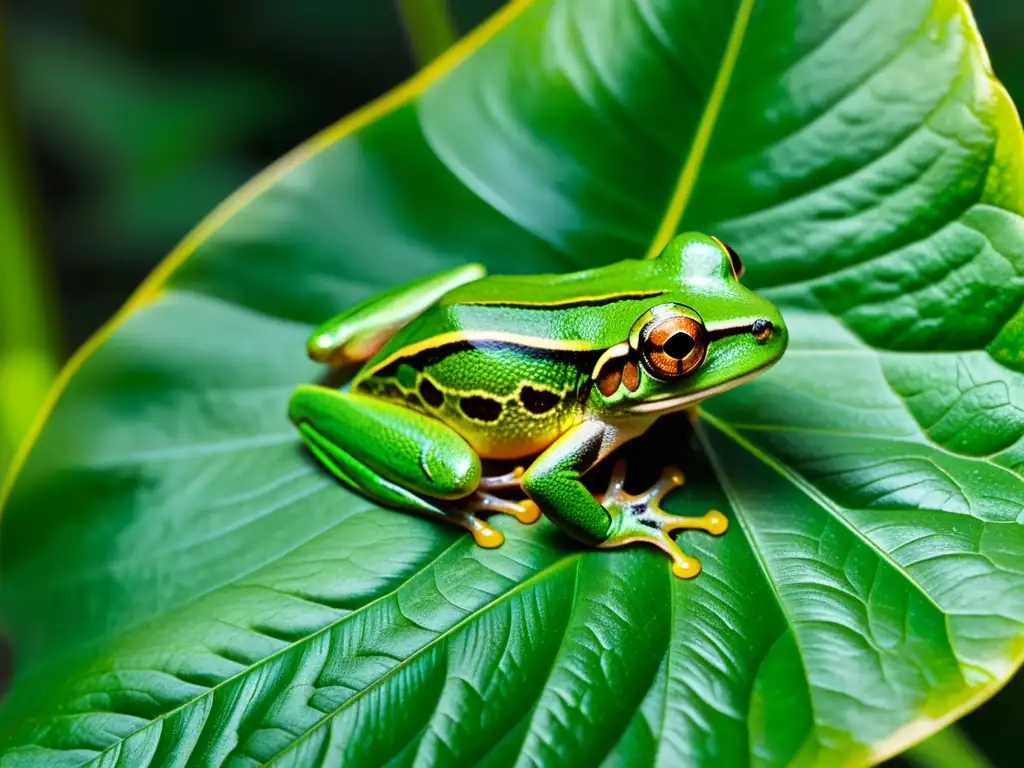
682, 401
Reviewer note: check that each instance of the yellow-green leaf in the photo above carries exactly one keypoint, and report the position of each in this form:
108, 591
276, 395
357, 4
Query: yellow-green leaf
186, 586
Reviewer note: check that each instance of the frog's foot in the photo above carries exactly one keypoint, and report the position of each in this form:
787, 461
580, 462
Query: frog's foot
483, 534
505, 482
526, 512
641, 518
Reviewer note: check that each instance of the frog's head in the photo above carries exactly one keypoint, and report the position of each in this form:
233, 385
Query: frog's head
707, 333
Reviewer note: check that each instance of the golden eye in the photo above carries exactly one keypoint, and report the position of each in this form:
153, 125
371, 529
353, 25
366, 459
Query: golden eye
673, 346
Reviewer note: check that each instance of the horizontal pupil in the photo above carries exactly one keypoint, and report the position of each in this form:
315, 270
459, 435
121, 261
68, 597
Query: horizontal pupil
678, 345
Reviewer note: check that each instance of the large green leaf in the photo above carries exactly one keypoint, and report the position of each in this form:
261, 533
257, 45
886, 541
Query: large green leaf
185, 584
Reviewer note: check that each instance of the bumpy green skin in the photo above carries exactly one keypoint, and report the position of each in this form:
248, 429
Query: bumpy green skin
554, 482
460, 366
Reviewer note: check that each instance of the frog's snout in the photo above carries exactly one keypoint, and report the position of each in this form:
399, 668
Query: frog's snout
771, 334
770, 329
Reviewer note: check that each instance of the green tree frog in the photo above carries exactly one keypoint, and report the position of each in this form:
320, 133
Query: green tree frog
564, 368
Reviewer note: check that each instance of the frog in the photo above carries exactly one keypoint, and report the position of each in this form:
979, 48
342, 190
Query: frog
547, 373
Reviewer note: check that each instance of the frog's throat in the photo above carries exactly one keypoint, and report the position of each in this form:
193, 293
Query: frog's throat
669, 404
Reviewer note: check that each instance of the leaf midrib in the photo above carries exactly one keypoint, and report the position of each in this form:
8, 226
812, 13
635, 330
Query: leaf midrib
755, 549
828, 505
833, 510
691, 169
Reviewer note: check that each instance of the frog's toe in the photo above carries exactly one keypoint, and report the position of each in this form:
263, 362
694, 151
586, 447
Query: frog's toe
712, 521
483, 534
526, 512
684, 567
487, 537
641, 518
508, 481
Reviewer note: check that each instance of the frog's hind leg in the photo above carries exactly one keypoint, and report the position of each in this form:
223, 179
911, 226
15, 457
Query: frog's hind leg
360, 331
394, 455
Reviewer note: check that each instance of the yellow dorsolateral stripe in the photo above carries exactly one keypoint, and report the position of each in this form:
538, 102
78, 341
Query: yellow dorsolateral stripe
691, 168
570, 300
454, 337
152, 285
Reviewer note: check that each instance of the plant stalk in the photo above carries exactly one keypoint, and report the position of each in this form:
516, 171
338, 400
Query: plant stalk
27, 334
949, 748
428, 27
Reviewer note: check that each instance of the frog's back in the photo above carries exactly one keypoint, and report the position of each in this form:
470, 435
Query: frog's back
505, 360
509, 377
590, 309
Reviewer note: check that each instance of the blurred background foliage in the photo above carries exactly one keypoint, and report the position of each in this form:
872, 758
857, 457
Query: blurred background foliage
122, 123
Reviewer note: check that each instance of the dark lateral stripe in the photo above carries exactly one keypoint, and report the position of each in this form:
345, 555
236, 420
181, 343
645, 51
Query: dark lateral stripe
734, 330
586, 301
421, 360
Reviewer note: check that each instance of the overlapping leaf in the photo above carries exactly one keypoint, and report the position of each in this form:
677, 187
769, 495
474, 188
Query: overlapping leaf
186, 586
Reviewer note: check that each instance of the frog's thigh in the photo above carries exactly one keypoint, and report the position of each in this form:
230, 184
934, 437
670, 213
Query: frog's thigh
392, 454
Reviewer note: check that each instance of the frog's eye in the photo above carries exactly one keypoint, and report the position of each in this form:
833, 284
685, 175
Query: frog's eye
735, 262
673, 346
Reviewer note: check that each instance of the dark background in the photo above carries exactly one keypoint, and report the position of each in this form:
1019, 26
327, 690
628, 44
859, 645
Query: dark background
126, 121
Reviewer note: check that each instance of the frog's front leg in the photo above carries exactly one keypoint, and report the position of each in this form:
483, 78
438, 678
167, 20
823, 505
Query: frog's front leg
361, 330
399, 457
616, 518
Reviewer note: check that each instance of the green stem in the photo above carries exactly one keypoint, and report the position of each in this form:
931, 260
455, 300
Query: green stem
27, 363
949, 748
429, 28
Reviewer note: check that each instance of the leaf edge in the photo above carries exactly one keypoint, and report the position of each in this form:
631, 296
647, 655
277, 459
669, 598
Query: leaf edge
151, 287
